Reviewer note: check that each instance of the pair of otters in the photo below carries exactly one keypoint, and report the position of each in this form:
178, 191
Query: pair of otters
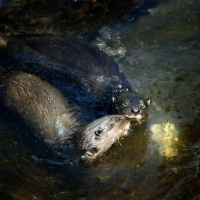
89, 79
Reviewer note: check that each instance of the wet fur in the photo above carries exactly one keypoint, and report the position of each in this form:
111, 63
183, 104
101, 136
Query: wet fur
87, 76
41, 106
98, 136
45, 111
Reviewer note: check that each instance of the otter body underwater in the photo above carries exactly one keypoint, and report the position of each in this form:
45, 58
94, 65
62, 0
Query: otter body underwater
84, 75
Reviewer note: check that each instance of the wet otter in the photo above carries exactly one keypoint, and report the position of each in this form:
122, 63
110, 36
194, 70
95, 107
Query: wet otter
45, 111
93, 79
98, 136
86, 74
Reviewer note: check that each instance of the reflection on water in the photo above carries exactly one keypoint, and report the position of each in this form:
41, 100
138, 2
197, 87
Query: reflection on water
166, 135
159, 54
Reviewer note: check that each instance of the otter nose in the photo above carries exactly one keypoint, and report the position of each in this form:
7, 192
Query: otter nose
134, 110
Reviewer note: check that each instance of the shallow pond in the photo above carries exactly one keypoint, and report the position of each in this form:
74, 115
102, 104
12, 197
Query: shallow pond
158, 49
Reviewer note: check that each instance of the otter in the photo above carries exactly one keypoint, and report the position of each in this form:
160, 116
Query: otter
85, 73
44, 110
132, 105
59, 84
98, 136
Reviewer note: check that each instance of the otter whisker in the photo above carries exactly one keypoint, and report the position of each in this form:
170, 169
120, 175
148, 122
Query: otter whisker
118, 141
128, 133
130, 129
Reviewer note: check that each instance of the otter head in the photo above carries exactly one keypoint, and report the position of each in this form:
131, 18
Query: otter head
132, 105
97, 137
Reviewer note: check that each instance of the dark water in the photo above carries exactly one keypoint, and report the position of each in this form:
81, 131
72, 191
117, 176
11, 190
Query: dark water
157, 45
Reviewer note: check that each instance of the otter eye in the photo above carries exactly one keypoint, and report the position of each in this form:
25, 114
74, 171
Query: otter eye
143, 106
125, 103
114, 99
98, 132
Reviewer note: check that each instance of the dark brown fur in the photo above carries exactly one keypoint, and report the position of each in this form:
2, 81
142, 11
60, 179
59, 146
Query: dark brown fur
133, 105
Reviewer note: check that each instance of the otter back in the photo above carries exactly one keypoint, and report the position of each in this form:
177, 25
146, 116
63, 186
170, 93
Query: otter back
40, 106
78, 62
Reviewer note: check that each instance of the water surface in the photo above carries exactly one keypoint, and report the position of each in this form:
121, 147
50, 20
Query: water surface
157, 46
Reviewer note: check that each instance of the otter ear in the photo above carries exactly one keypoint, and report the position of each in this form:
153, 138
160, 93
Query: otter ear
114, 98
148, 101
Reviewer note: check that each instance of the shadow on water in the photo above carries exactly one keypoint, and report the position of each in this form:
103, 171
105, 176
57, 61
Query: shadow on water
60, 17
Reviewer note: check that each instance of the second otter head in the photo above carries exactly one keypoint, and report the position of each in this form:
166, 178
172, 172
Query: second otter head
97, 137
132, 105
